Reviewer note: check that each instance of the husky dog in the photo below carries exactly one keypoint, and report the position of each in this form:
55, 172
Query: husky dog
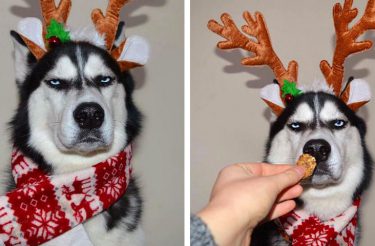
320, 124
321, 121
75, 110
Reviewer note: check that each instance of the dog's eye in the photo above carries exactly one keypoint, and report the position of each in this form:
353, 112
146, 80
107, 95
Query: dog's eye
56, 83
296, 126
104, 80
338, 124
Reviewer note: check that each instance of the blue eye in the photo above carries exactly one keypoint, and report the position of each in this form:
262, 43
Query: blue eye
106, 80
103, 81
296, 126
54, 82
338, 124
57, 84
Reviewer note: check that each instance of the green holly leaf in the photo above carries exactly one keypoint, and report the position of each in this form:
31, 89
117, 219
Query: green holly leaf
290, 88
57, 29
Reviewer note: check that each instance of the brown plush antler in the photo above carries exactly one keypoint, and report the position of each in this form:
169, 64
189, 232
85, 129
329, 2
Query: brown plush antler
50, 11
346, 37
264, 53
107, 25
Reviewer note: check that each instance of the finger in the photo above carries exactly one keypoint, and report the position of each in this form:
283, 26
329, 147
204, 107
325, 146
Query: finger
290, 193
281, 209
263, 169
272, 169
288, 178
246, 239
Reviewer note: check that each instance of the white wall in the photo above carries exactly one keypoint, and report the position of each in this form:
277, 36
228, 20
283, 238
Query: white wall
158, 160
228, 119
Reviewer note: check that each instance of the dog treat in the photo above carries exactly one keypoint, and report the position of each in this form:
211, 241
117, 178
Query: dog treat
308, 162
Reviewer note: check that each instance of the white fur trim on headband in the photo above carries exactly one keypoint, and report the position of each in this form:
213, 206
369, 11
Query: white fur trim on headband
316, 86
136, 50
88, 34
32, 29
271, 93
359, 91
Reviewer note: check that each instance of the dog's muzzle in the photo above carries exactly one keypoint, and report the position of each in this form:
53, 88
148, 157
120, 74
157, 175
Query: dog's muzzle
321, 150
89, 115
90, 119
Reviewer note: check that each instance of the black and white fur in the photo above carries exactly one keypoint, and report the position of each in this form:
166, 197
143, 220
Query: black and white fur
340, 177
44, 127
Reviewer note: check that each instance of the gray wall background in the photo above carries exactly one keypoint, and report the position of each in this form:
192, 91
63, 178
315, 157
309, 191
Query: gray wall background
158, 160
228, 119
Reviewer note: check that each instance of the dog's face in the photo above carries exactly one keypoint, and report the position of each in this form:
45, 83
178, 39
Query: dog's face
80, 99
76, 100
321, 125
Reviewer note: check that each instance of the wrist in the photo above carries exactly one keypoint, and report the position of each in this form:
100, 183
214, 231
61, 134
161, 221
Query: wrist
225, 228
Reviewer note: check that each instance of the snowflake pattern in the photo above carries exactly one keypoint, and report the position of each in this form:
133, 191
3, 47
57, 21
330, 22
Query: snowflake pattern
303, 229
44, 224
37, 209
113, 187
29, 190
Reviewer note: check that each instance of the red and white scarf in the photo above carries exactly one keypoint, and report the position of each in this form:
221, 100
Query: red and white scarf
303, 229
43, 207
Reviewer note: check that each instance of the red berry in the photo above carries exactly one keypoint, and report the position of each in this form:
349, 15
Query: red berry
53, 41
288, 98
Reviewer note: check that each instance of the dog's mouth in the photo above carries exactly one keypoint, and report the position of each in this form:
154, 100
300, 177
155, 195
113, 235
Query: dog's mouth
89, 141
86, 142
90, 137
322, 177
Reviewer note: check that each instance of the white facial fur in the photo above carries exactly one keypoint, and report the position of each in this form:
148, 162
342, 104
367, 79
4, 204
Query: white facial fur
53, 130
345, 161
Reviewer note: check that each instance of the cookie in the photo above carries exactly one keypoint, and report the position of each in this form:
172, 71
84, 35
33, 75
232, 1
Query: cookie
309, 163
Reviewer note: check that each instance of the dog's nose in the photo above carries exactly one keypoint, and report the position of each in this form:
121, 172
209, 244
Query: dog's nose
89, 115
319, 148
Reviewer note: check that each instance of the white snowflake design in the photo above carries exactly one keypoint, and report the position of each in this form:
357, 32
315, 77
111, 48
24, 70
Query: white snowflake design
44, 224
29, 189
318, 239
113, 187
113, 160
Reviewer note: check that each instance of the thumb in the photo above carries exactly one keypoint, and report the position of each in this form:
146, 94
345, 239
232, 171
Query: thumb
288, 178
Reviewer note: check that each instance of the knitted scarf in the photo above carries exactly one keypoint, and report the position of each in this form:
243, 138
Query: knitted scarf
43, 207
303, 229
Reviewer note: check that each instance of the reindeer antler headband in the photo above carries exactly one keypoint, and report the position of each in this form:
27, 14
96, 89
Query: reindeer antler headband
38, 36
346, 45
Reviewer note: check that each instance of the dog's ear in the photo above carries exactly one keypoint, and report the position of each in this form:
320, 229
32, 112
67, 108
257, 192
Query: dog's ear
22, 57
356, 94
271, 95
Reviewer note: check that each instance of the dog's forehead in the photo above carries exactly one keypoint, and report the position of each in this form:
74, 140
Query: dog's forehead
95, 66
81, 63
317, 107
303, 113
64, 68
330, 111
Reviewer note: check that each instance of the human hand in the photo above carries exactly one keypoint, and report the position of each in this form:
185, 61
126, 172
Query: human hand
246, 194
